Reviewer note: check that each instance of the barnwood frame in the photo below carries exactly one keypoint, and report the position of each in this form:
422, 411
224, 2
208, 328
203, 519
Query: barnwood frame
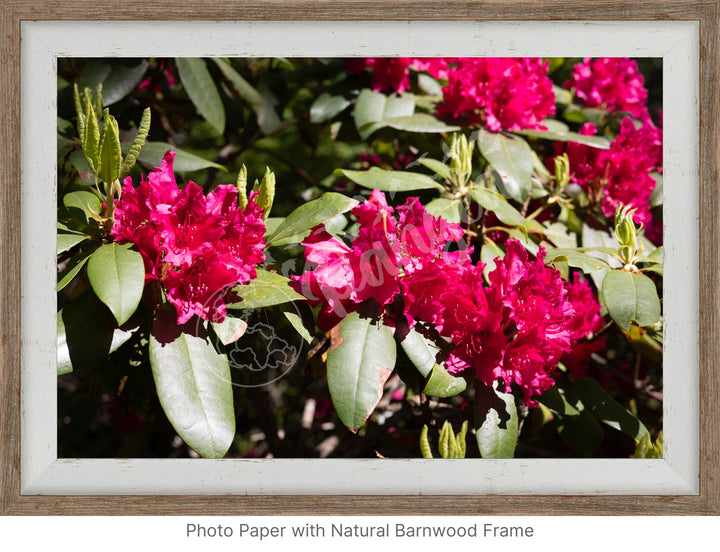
705, 12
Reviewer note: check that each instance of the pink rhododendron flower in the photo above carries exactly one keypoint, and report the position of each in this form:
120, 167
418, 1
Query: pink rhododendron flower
196, 246
621, 174
389, 74
392, 74
499, 93
517, 328
385, 250
614, 84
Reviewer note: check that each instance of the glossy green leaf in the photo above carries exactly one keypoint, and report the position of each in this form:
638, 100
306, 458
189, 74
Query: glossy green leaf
122, 80
230, 330
488, 253
442, 384
309, 215
194, 387
630, 297
325, 107
266, 290
391, 181
202, 91
117, 276
511, 157
86, 333
66, 242
506, 213
72, 268
606, 409
449, 209
418, 122
599, 142
244, 89
573, 257
556, 402
152, 154
438, 167
81, 205
582, 434
371, 107
358, 367
496, 421
110, 152
421, 351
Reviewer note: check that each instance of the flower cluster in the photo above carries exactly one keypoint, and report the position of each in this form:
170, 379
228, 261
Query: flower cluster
496, 93
518, 328
621, 174
197, 246
499, 93
614, 84
385, 249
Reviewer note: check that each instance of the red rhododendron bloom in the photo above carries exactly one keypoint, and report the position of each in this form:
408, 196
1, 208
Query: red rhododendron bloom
385, 250
197, 246
389, 74
621, 174
614, 84
499, 93
517, 328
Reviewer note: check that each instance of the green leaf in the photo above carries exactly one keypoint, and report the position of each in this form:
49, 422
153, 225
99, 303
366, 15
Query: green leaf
372, 107
391, 181
358, 367
110, 152
72, 268
117, 276
325, 107
311, 214
152, 154
418, 122
599, 142
244, 89
267, 118
582, 434
438, 167
573, 257
137, 145
630, 297
202, 91
66, 242
511, 157
194, 388
606, 409
421, 351
81, 205
91, 139
266, 290
496, 421
449, 209
442, 384
86, 333
424, 443
230, 330
556, 402
121, 81
488, 253
506, 213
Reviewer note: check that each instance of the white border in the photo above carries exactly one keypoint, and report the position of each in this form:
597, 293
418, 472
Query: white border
43, 473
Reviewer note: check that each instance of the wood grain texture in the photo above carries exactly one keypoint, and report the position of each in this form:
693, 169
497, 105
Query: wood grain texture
707, 12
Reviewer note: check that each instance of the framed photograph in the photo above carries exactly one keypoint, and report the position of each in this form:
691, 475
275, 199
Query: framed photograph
476, 270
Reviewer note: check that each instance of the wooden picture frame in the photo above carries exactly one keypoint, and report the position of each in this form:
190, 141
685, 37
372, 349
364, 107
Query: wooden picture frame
707, 16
